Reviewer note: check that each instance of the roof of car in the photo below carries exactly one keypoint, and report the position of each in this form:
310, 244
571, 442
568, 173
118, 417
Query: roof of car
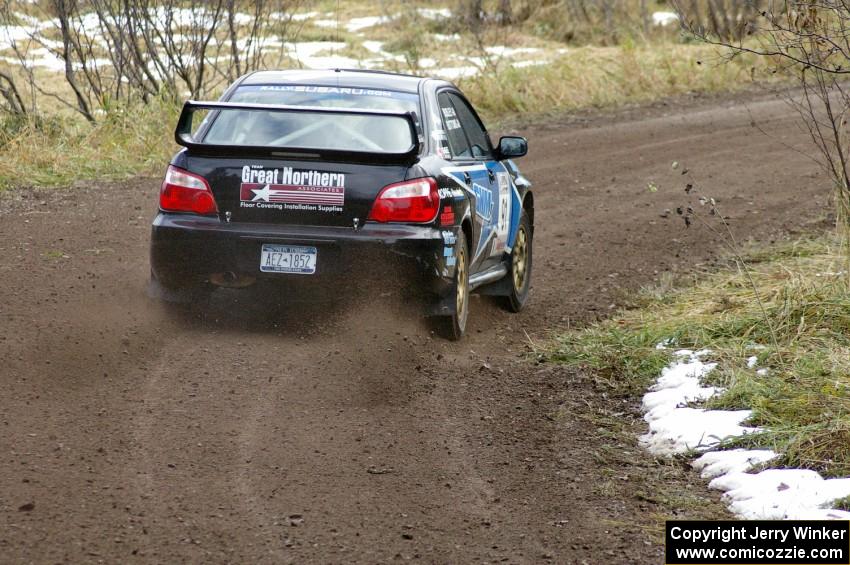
338, 77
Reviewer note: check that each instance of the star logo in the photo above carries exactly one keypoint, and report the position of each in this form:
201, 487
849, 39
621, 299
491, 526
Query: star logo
261, 194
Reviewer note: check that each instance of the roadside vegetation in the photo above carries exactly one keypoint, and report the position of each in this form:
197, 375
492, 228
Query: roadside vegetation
799, 386
600, 77
91, 89
61, 151
777, 320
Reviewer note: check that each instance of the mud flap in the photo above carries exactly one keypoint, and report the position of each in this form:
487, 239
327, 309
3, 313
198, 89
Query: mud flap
442, 306
501, 287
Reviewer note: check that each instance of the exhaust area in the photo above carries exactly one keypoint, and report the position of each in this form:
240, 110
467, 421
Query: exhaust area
229, 279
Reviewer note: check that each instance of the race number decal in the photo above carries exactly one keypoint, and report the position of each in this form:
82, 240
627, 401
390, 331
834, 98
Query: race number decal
503, 222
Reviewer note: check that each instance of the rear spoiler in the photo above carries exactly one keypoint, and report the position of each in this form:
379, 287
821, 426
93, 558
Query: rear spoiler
183, 135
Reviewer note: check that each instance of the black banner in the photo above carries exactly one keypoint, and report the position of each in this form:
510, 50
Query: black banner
758, 542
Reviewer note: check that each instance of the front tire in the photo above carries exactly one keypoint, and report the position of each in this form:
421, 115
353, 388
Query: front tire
454, 325
520, 271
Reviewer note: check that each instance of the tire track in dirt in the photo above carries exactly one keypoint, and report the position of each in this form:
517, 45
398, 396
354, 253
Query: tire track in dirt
261, 433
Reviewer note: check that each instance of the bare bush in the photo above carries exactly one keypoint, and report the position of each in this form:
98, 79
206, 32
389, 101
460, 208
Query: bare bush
471, 12
613, 20
569, 20
808, 40
13, 103
726, 19
123, 51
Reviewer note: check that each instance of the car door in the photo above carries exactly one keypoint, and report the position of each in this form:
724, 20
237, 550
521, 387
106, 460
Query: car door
474, 167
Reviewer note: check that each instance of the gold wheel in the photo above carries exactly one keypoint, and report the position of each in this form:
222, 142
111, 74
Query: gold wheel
462, 293
453, 325
520, 259
521, 266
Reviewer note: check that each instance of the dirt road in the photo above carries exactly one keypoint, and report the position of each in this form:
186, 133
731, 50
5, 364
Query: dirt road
258, 435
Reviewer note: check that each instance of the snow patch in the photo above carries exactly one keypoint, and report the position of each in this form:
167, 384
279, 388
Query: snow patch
502, 51
716, 463
324, 23
678, 385
298, 17
357, 24
781, 494
457, 72
435, 13
522, 64
377, 47
686, 429
309, 54
374, 46
664, 19
675, 428
10, 35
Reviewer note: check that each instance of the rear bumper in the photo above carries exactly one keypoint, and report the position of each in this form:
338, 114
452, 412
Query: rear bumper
188, 249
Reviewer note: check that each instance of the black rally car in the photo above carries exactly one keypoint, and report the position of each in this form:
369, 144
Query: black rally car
310, 177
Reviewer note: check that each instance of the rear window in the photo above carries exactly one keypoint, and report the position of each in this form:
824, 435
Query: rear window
386, 134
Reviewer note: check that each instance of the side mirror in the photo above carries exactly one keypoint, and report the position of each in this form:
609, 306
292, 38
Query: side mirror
512, 146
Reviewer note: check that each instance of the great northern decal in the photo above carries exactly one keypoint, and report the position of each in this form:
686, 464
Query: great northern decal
290, 189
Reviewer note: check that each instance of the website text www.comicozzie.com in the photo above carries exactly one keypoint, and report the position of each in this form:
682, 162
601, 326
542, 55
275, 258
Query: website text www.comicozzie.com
757, 542
779, 553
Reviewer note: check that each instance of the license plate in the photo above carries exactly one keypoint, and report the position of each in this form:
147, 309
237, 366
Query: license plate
288, 259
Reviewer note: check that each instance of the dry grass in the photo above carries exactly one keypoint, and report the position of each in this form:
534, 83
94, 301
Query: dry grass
60, 150
803, 402
608, 77
127, 141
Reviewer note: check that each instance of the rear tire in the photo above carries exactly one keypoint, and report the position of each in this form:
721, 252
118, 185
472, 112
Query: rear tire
454, 326
520, 267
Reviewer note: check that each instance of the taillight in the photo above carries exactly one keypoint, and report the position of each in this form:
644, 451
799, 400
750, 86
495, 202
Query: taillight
184, 192
412, 201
